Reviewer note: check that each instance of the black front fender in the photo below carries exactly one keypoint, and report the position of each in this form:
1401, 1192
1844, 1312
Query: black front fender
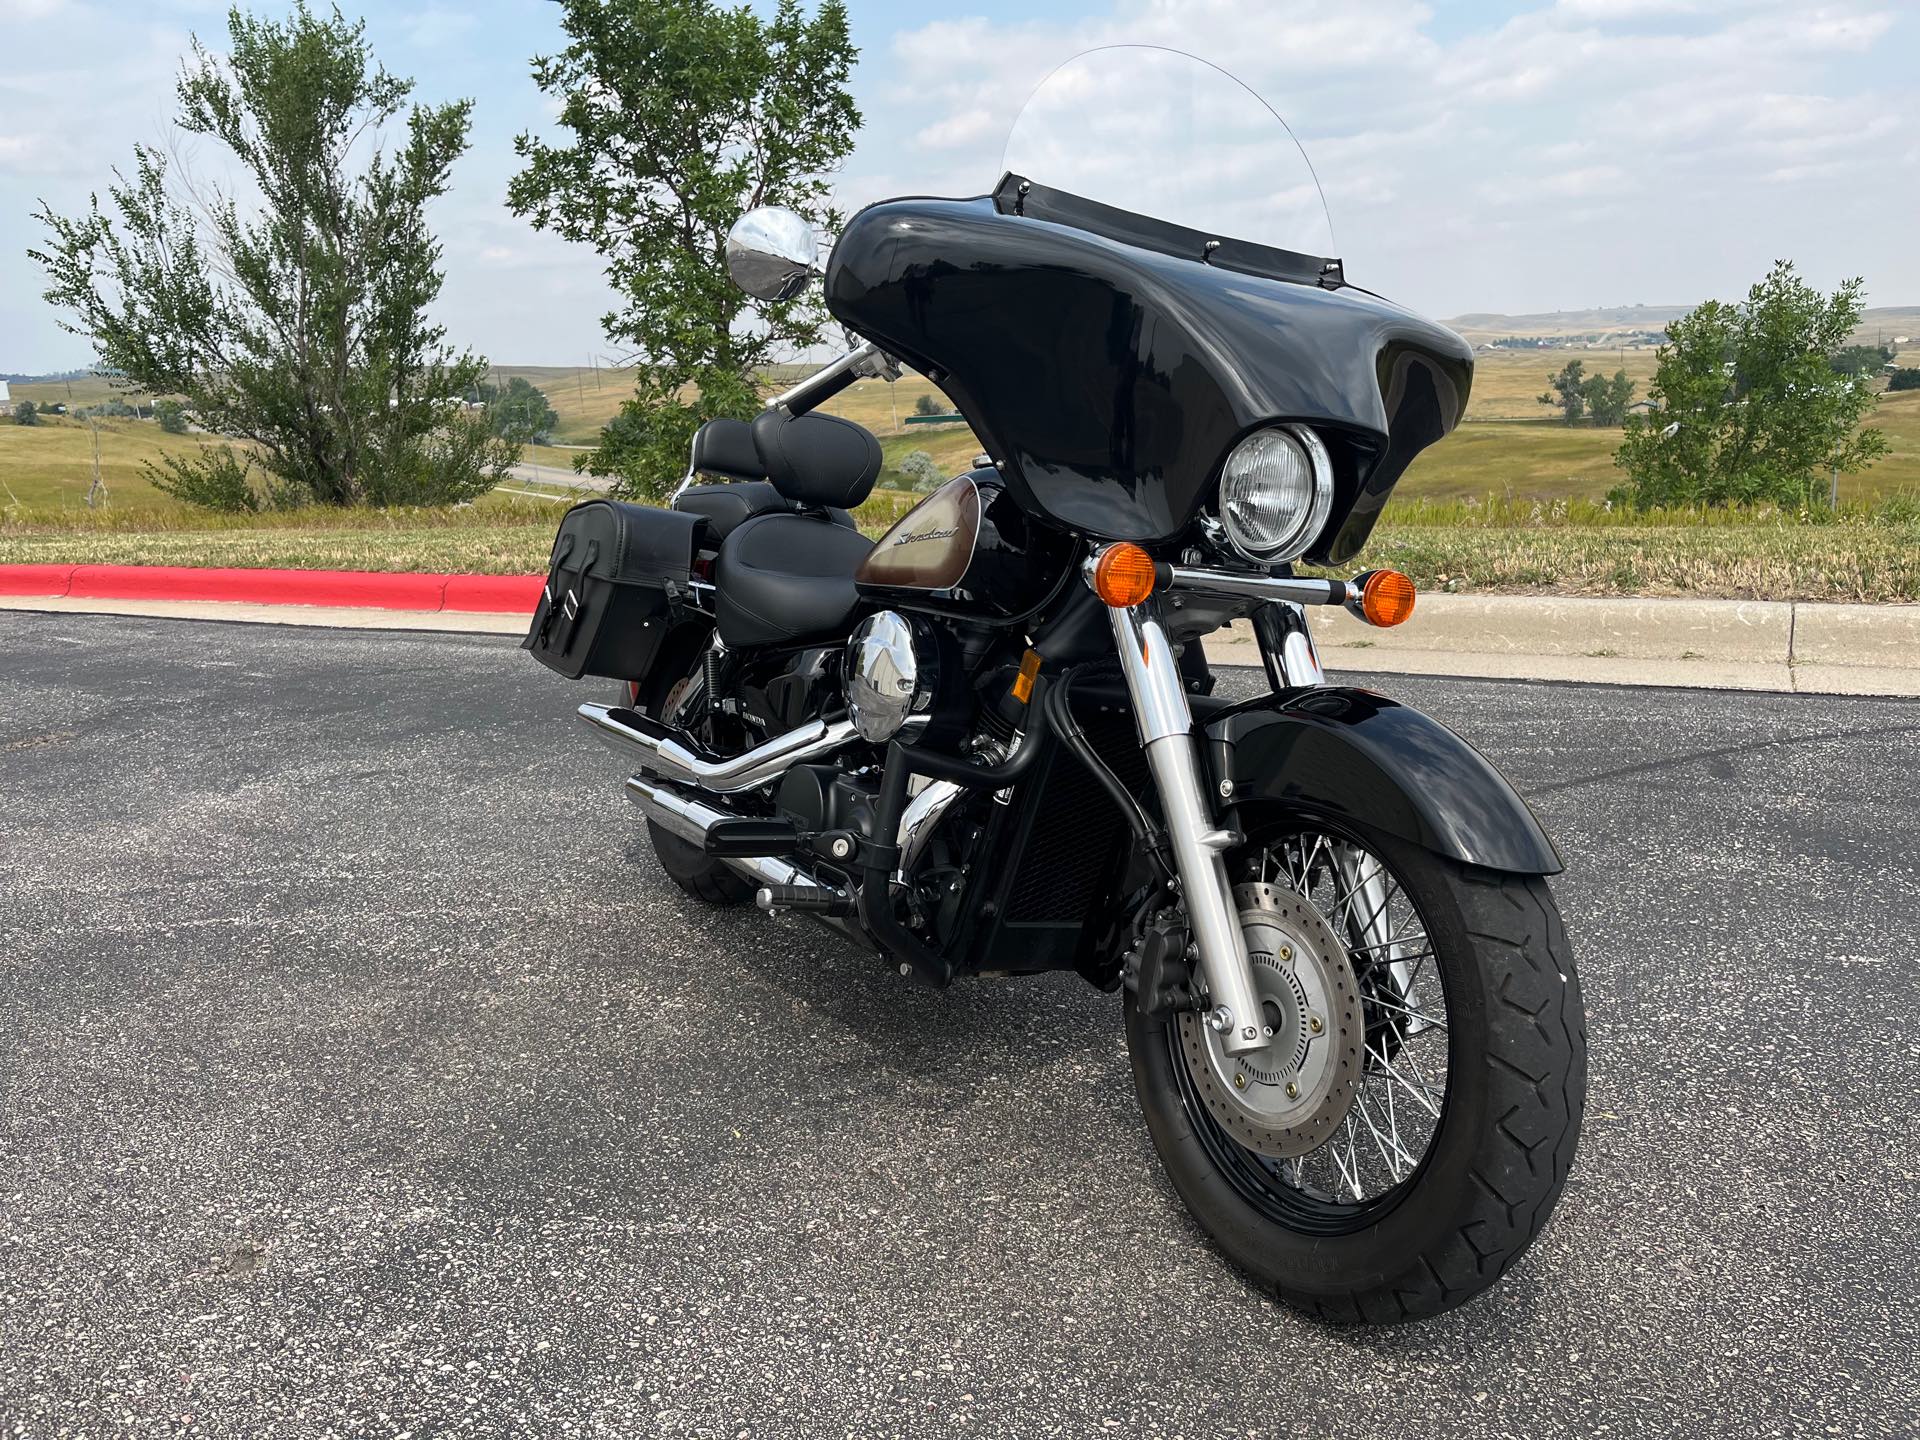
1352, 755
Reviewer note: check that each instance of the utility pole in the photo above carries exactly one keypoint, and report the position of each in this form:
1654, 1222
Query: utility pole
99, 487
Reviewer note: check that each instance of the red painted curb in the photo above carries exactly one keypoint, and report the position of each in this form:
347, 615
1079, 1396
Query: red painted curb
36, 579
352, 589
498, 594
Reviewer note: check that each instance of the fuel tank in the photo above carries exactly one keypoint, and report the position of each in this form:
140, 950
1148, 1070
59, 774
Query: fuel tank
967, 549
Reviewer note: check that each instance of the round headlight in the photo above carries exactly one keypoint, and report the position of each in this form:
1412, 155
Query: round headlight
1275, 492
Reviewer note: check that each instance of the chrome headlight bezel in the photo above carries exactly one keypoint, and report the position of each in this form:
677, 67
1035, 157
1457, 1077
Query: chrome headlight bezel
1299, 538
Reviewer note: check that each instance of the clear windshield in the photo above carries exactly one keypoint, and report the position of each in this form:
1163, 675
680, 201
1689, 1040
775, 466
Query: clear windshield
1164, 134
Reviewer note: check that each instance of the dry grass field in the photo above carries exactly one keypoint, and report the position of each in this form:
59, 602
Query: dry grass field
87, 390
1506, 503
50, 465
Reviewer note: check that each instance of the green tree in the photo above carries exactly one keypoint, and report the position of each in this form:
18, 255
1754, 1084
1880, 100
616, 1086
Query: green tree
1749, 408
1608, 398
172, 416
1907, 379
1566, 391
1859, 360
26, 413
927, 405
291, 311
519, 410
680, 115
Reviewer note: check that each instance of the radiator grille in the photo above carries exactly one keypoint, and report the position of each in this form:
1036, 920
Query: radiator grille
1077, 832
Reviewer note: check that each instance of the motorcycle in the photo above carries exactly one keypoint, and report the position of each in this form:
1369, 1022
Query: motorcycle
989, 742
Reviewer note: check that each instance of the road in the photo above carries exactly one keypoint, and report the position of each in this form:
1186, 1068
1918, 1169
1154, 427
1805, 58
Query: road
533, 473
362, 1077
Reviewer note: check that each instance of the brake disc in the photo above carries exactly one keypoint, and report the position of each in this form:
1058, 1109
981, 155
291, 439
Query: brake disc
1287, 1097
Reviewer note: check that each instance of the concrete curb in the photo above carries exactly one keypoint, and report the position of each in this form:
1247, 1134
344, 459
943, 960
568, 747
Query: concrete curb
1710, 644
1705, 644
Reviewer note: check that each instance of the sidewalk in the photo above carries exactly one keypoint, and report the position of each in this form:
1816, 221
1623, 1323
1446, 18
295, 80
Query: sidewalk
1709, 644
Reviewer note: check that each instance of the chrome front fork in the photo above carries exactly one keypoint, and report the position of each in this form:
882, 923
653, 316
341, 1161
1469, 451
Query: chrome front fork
1199, 845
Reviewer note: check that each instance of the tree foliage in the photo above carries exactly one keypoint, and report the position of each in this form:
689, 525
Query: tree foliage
1906, 379
172, 416
1566, 391
518, 410
1749, 407
1608, 397
922, 470
1578, 395
1860, 360
927, 405
680, 115
26, 413
288, 311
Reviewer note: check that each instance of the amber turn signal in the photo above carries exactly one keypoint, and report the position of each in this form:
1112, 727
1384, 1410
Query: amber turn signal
1386, 598
1123, 575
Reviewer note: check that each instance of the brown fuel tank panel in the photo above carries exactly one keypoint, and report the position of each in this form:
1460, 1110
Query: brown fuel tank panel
930, 547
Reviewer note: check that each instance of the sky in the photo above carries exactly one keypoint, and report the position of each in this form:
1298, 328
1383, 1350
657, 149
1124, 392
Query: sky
1476, 156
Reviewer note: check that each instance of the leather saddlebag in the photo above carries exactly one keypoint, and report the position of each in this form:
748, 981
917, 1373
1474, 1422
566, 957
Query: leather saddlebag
616, 584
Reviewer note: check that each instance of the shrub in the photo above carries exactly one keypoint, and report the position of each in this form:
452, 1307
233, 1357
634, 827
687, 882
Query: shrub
218, 478
928, 405
26, 413
921, 470
1907, 379
172, 416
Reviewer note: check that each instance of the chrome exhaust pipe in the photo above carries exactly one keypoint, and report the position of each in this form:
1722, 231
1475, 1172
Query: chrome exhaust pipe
689, 819
663, 751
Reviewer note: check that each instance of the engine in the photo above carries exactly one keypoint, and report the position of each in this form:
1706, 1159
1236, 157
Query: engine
893, 677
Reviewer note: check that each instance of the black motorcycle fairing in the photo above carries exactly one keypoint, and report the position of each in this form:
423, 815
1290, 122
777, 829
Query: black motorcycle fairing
1349, 754
786, 577
817, 459
1111, 380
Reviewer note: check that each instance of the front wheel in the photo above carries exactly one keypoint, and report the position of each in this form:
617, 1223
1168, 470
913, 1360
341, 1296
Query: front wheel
1405, 1132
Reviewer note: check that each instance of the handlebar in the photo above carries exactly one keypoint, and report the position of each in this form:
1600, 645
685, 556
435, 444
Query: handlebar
868, 362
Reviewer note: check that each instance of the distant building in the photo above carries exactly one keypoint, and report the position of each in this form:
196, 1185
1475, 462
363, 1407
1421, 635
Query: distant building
6, 399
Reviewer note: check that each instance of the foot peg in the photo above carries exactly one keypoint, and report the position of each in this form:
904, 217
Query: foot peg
747, 837
814, 899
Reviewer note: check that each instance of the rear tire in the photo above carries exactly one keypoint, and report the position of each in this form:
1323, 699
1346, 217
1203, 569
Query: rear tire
686, 865
1504, 1141
696, 873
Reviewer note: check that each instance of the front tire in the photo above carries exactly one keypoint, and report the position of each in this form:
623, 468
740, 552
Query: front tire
1495, 1159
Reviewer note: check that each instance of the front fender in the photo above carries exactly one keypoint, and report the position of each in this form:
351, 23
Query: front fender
1352, 755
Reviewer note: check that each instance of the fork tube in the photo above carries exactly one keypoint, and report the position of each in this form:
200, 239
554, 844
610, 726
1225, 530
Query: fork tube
1166, 733
1286, 646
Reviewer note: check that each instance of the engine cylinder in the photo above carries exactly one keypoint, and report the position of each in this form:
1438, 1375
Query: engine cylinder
891, 678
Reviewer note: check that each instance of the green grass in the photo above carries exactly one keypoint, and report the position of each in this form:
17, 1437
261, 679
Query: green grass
1777, 560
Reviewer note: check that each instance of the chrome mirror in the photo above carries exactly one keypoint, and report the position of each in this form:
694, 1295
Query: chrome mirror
771, 252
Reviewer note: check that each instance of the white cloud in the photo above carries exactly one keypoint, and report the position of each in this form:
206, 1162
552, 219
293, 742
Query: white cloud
1518, 165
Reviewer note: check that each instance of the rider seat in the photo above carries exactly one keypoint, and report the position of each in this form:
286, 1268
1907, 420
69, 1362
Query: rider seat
782, 577
789, 576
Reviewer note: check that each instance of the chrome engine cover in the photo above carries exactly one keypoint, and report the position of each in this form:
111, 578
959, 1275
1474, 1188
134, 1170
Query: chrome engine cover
890, 678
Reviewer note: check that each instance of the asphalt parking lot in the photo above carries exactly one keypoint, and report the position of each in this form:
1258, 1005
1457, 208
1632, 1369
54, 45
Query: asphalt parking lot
360, 1076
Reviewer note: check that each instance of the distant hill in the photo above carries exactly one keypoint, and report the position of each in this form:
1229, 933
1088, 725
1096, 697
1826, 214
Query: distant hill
1481, 326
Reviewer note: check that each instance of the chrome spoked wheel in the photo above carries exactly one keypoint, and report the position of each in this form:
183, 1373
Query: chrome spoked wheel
1371, 1137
